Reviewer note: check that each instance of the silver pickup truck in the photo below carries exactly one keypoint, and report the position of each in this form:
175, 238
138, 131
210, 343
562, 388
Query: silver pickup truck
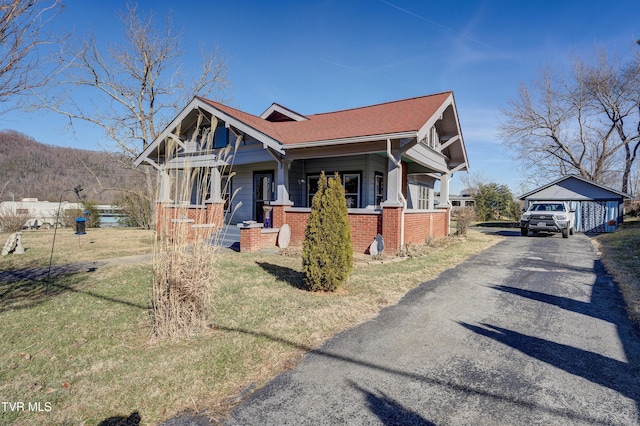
548, 216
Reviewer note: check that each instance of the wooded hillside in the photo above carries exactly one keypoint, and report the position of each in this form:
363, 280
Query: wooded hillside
29, 169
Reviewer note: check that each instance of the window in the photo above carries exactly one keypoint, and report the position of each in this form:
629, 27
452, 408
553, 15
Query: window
312, 187
220, 137
200, 188
455, 203
423, 197
350, 182
225, 191
379, 189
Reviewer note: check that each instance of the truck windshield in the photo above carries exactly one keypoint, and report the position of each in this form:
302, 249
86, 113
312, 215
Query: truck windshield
552, 207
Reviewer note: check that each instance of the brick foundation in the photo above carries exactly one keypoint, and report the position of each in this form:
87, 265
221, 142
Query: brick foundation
255, 238
422, 225
199, 223
191, 223
364, 227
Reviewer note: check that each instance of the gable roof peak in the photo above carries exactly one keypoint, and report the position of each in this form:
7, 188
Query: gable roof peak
278, 113
576, 177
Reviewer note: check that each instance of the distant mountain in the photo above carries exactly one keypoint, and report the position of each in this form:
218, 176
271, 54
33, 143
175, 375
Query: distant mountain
30, 169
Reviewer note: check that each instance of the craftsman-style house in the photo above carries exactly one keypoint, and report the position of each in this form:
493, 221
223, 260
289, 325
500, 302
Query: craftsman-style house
389, 157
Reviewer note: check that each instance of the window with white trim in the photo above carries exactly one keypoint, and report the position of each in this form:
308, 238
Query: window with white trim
423, 197
225, 191
379, 188
350, 182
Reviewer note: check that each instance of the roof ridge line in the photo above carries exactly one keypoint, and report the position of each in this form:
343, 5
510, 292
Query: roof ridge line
383, 103
330, 112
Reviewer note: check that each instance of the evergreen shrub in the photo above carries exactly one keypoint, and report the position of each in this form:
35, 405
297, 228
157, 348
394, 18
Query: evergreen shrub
327, 253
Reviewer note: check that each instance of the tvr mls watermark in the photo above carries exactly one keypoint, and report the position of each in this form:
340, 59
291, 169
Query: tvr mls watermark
21, 406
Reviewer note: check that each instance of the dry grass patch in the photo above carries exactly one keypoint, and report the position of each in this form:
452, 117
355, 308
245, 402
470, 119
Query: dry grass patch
98, 243
620, 252
90, 351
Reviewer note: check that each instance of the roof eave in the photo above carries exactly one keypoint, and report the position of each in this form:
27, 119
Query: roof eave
528, 194
426, 127
196, 103
355, 139
161, 137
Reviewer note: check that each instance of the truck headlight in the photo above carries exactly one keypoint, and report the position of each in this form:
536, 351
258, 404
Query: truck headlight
561, 216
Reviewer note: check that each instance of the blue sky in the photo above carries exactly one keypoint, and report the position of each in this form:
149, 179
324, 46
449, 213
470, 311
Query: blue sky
318, 56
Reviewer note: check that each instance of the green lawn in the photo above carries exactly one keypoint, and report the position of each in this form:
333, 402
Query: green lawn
84, 348
68, 247
621, 255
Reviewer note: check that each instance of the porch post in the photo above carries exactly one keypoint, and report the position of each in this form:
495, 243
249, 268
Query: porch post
282, 193
216, 185
282, 200
215, 204
394, 182
444, 190
444, 200
392, 207
165, 187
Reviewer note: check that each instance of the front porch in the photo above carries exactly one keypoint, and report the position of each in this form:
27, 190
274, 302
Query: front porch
397, 226
392, 198
219, 165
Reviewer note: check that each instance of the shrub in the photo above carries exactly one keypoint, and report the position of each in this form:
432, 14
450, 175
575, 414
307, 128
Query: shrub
185, 269
184, 280
327, 253
464, 217
12, 220
138, 210
494, 201
93, 220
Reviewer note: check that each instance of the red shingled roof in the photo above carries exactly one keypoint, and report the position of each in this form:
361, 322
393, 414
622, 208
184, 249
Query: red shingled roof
391, 117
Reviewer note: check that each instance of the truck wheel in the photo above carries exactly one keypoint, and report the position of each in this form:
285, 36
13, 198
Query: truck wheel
571, 231
565, 233
524, 232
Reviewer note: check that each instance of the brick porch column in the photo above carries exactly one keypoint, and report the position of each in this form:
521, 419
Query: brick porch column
391, 220
250, 237
215, 213
164, 214
278, 214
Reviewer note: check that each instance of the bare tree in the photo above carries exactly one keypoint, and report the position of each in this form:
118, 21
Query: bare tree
24, 26
613, 93
585, 123
135, 87
473, 180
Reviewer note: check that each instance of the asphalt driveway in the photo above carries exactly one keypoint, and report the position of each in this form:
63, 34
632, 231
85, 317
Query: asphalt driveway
531, 331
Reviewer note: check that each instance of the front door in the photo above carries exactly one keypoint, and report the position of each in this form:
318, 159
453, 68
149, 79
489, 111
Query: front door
263, 193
